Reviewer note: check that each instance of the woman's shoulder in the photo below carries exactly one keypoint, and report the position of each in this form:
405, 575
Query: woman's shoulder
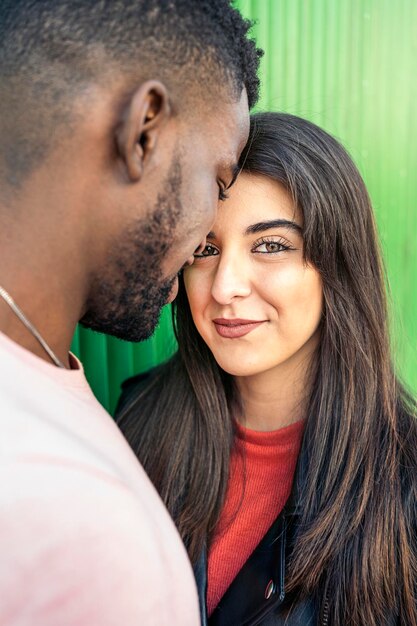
134, 386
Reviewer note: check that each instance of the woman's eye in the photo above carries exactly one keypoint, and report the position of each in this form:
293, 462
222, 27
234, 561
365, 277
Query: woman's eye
270, 247
208, 251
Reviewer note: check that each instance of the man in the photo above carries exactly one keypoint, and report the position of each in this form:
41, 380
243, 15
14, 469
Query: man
120, 123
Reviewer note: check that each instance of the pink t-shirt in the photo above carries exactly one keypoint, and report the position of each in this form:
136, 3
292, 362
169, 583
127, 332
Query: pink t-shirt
84, 537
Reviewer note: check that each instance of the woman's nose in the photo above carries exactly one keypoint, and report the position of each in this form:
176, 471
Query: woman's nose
231, 280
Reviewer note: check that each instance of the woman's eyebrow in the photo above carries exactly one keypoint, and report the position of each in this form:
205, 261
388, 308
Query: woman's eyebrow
261, 226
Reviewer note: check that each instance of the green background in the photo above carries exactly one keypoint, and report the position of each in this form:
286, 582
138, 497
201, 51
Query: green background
350, 67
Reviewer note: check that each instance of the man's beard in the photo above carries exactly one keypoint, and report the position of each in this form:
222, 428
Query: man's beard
126, 301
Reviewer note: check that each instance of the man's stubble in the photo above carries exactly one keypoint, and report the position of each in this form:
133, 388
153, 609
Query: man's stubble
127, 298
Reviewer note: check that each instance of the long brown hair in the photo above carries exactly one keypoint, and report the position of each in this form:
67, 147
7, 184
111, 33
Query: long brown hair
357, 492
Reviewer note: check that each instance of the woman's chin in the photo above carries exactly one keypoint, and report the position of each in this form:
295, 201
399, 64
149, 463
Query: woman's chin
240, 369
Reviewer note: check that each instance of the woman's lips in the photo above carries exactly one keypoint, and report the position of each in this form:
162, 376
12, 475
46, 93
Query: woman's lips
235, 328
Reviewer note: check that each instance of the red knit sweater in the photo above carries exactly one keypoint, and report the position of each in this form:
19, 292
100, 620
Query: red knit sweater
261, 475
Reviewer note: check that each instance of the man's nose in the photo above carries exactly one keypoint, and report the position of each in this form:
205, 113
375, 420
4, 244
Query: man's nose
201, 247
198, 250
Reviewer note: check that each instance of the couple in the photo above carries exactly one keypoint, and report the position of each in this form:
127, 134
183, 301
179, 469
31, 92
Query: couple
278, 437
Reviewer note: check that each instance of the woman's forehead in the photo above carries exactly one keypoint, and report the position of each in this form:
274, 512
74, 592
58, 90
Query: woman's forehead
254, 199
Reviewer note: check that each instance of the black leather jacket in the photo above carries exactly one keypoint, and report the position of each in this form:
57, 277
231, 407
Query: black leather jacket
257, 596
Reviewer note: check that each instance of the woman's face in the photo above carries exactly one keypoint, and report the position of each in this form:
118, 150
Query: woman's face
254, 301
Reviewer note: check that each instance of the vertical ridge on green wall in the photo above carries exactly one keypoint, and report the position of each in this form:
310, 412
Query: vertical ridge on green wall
348, 66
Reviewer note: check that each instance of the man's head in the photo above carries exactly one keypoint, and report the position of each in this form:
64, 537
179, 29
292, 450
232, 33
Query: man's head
125, 117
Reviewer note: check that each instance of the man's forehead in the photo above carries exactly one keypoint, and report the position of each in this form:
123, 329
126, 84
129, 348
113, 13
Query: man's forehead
232, 128
237, 116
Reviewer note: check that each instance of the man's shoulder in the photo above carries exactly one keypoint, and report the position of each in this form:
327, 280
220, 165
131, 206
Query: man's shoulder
81, 542
55, 443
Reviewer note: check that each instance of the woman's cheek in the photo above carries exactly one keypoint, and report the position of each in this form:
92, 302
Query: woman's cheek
196, 290
281, 282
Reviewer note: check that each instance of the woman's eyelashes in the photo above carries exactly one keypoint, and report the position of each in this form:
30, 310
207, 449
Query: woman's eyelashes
265, 245
271, 245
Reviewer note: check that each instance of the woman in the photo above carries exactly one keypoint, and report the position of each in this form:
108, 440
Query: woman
278, 436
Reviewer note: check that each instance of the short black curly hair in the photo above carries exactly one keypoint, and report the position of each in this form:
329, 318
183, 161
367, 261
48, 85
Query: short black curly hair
50, 50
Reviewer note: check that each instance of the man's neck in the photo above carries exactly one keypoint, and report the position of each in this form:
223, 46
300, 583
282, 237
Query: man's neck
45, 262
36, 286
12, 326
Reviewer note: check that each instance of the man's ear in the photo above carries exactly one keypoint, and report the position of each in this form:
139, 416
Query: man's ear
148, 108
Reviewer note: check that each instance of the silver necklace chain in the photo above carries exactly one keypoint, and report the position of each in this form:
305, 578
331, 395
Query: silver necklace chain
18, 311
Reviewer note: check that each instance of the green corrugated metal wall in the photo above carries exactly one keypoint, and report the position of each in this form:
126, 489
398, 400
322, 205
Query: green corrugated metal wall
349, 66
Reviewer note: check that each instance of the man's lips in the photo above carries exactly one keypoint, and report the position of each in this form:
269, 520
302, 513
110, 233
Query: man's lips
174, 291
236, 327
